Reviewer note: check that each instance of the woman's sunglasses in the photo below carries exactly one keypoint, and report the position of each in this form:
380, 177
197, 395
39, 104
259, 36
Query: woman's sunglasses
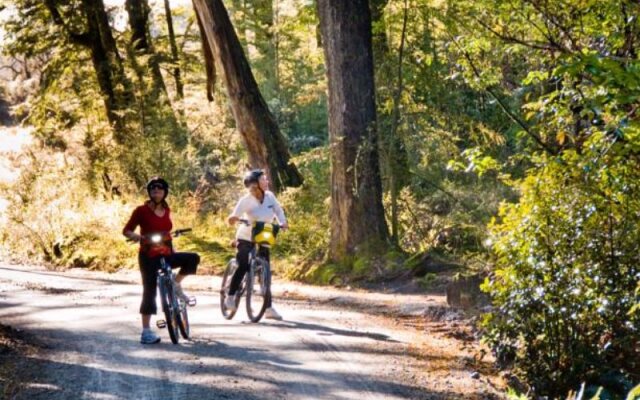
156, 187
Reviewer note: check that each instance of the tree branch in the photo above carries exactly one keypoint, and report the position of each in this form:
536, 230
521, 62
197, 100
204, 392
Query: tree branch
82, 39
553, 20
545, 33
209, 60
552, 45
504, 107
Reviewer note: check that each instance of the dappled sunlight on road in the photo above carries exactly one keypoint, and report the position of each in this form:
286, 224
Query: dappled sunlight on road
88, 325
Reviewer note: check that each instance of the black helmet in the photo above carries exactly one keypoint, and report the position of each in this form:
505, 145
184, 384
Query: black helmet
156, 180
252, 177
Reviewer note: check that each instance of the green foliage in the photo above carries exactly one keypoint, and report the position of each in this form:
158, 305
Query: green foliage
307, 207
51, 216
567, 269
327, 274
287, 61
427, 281
211, 239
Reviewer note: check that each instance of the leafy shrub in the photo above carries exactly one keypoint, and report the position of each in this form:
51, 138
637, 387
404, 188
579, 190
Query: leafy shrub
307, 208
567, 269
52, 216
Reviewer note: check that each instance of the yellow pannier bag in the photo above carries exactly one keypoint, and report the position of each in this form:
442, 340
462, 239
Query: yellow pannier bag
265, 234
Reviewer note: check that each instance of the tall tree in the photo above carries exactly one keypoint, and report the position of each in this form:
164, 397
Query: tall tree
157, 110
357, 214
264, 20
174, 51
393, 153
138, 11
379, 28
112, 80
265, 143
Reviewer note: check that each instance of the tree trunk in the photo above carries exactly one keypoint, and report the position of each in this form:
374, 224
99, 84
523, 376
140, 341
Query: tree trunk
264, 30
265, 144
138, 11
357, 215
174, 51
392, 150
114, 84
239, 8
379, 31
397, 153
156, 110
209, 62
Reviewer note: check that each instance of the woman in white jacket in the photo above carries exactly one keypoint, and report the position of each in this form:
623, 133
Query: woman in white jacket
258, 205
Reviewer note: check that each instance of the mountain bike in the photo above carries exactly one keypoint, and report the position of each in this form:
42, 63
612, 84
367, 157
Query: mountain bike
174, 308
256, 284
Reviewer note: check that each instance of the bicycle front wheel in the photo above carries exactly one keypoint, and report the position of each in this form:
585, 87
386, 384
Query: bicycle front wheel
183, 319
258, 288
170, 307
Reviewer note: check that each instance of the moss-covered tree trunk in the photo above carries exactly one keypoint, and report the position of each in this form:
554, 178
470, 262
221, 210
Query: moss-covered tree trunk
357, 215
265, 143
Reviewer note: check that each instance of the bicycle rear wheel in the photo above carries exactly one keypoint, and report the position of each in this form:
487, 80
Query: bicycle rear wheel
232, 265
169, 307
258, 288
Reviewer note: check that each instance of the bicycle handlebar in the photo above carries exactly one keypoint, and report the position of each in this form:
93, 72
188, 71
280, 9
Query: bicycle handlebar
247, 223
150, 236
180, 232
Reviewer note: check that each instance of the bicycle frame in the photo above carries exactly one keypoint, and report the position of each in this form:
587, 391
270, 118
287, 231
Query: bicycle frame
175, 310
258, 255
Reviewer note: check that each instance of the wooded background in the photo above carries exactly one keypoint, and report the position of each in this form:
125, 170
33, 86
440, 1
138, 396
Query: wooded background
415, 140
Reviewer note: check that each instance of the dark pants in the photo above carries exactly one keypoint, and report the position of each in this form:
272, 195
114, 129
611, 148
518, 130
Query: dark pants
242, 257
187, 262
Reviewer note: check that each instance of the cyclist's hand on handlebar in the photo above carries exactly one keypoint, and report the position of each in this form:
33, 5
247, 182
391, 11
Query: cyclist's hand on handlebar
133, 237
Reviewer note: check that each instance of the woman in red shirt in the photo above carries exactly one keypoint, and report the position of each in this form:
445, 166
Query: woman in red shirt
155, 216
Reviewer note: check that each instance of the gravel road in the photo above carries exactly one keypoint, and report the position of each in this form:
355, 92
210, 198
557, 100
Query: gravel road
86, 328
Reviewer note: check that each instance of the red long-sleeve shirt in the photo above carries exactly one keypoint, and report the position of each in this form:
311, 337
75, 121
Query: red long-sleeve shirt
144, 217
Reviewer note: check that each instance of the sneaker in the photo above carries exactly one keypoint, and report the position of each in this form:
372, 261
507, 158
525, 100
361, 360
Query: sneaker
271, 313
181, 294
230, 302
148, 337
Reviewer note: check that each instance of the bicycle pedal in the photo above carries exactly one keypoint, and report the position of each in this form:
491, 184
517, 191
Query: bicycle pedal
192, 302
161, 324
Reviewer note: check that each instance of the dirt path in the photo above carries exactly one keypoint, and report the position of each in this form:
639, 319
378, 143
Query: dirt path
86, 327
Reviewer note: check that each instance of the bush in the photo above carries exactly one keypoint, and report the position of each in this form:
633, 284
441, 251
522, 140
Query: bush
567, 269
306, 207
52, 216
